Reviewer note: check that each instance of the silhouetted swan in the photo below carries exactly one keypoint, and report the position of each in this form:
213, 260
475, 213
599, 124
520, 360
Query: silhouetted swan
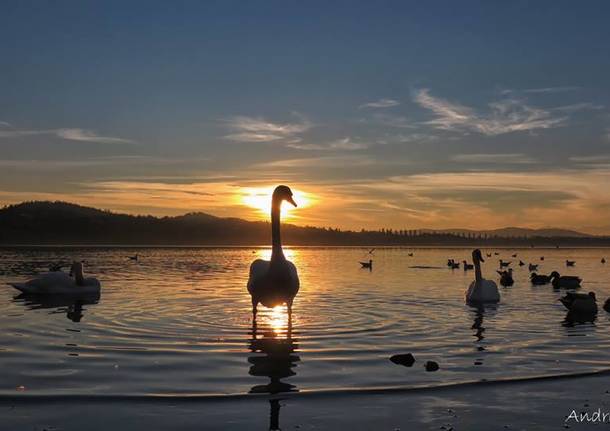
58, 282
565, 281
582, 303
481, 290
506, 277
274, 282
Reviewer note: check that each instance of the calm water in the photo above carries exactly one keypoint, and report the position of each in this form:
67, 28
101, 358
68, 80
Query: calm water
179, 322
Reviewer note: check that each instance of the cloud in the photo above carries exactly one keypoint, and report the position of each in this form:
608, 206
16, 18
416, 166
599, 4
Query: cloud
380, 104
505, 116
551, 89
4, 124
340, 144
88, 136
511, 158
249, 129
69, 134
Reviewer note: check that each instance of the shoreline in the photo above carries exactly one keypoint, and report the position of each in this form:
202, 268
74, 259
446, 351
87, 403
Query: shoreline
532, 405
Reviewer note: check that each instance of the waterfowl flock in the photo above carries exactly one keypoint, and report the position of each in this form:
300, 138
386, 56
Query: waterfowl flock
276, 282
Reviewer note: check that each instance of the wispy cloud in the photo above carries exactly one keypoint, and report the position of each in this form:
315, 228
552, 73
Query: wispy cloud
380, 104
250, 129
551, 89
340, 144
7, 131
511, 158
505, 116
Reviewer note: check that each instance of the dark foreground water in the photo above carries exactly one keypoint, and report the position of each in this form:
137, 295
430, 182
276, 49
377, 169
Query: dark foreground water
178, 322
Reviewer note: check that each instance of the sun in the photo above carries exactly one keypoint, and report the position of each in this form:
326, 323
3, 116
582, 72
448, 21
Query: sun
260, 199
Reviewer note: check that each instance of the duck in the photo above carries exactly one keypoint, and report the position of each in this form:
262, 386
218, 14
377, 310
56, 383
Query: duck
565, 281
276, 281
467, 265
60, 283
521, 263
488, 254
540, 279
541, 257
504, 264
607, 305
515, 255
506, 277
454, 265
368, 265
580, 303
533, 267
570, 262
134, 257
450, 262
480, 290
603, 260
410, 254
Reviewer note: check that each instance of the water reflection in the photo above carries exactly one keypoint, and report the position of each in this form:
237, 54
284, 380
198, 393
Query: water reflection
72, 306
273, 357
480, 311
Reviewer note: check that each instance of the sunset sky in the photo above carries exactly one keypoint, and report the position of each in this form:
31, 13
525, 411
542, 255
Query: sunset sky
379, 114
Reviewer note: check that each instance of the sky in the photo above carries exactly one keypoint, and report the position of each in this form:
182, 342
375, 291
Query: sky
394, 114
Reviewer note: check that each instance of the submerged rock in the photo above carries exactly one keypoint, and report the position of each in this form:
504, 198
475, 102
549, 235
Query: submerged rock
406, 359
431, 366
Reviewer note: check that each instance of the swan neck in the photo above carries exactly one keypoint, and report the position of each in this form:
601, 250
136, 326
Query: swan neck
79, 277
276, 240
477, 270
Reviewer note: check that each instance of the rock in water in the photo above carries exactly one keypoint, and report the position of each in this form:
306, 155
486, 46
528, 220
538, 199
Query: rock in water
407, 359
431, 366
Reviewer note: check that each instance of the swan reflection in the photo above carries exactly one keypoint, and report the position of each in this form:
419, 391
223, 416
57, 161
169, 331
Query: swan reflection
72, 306
273, 356
480, 312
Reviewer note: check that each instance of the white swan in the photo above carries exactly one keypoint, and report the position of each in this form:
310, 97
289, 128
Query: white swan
60, 283
481, 290
274, 282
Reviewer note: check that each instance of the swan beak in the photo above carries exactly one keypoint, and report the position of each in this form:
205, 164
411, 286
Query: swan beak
289, 199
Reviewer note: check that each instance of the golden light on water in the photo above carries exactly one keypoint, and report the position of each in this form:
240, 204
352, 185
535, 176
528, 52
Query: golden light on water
260, 198
278, 320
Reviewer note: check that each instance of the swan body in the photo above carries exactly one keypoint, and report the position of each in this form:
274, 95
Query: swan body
582, 303
60, 283
480, 290
276, 281
264, 280
565, 281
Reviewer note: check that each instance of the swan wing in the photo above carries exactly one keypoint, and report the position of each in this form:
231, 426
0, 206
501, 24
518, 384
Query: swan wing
258, 270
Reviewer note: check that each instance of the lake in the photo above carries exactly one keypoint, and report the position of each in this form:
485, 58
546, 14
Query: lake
178, 322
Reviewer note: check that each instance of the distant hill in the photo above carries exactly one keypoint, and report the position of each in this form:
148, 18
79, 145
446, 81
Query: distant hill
47, 223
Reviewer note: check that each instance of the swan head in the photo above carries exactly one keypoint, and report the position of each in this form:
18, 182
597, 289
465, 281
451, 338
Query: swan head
477, 256
283, 193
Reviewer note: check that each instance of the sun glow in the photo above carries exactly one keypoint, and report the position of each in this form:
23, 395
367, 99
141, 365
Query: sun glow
260, 199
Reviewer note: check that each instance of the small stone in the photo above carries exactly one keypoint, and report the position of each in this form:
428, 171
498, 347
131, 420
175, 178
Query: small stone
404, 359
431, 366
